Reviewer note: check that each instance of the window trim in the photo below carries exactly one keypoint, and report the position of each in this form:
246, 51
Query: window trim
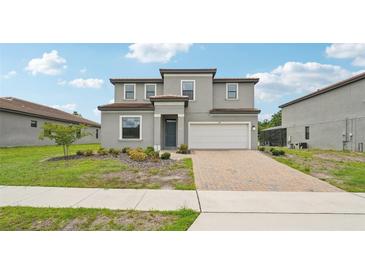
194, 88
36, 123
237, 97
145, 90
134, 93
121, 127
305, 133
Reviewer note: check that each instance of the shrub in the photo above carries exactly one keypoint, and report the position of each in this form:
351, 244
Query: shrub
125, 149
80, 153
88, 152
165, 155
272, 149
278, 152
137, 155
183, 149
149, 151
155, 156
262, 148
102, 151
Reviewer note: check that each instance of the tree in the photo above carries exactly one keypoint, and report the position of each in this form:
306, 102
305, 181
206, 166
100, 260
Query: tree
273, 122
63, 135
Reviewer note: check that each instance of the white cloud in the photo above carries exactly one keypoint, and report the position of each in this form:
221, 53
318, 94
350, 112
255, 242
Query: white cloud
86, 83
61, 82
50, 64
348, 51
9, 75
66, 107
296, 78
111, 101
83, 71
96, 112
155, 53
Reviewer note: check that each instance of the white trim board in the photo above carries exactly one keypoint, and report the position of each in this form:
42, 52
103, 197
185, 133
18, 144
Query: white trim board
222, 123
145, 90
134, 94
194, 87
237, 92
121, 127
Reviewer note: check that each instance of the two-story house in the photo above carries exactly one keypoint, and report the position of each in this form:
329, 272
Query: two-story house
184, 106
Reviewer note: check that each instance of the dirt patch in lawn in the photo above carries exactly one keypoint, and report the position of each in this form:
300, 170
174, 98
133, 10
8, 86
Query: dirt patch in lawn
340, 158
162, 174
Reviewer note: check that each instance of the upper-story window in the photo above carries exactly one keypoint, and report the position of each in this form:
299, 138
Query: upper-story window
188, 89
149, 90
232, 91
129, 92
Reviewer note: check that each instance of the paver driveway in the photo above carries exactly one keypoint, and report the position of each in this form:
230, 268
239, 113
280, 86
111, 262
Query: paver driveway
250, 170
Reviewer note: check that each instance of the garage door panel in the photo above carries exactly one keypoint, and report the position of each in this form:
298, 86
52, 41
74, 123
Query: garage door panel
218, 136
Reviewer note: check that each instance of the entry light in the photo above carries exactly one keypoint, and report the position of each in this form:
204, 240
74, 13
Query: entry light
253, 127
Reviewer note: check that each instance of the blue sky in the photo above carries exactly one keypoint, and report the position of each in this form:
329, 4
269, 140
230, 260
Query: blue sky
76, 76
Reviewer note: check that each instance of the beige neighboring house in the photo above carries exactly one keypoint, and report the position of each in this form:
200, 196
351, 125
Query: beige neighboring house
183, 106
21, 123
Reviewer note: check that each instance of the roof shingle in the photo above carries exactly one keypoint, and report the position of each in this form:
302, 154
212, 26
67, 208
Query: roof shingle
15, 105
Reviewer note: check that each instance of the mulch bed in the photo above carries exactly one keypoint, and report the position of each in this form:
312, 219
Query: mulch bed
123, 157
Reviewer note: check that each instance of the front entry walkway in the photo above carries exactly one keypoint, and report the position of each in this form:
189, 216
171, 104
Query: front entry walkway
249, 170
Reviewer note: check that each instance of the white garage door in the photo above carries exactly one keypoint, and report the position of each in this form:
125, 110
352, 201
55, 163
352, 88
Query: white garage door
217, 136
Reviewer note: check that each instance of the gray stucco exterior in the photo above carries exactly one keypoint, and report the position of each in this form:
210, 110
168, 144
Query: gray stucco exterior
16, 130
336, 119
208, 95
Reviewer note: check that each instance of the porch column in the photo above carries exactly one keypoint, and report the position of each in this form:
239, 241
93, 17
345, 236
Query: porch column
157, 132
180, 129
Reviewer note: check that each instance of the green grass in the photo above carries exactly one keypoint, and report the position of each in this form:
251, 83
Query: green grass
30, 218
26, 166
353, 174
293, 164
188, 164
343, 169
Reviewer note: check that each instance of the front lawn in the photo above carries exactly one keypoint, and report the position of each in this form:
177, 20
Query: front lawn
28, 166
31, 218
345, 170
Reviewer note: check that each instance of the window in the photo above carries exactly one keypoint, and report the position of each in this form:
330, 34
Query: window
150, 90
129, 92
131, 127
33, 123
188, 89
97, 134
307, 133
232, 91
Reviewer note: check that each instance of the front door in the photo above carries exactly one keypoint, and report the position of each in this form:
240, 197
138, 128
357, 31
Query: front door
170, 133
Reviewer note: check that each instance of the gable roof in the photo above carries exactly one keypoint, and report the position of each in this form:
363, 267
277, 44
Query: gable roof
326, 89
19, 106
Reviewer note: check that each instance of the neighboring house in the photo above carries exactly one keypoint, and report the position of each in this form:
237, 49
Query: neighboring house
184, 106
330, 118
21, 123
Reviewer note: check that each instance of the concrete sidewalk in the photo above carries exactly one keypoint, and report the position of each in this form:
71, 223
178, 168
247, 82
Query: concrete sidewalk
138, 199
281, 202
278, 222
253, 210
